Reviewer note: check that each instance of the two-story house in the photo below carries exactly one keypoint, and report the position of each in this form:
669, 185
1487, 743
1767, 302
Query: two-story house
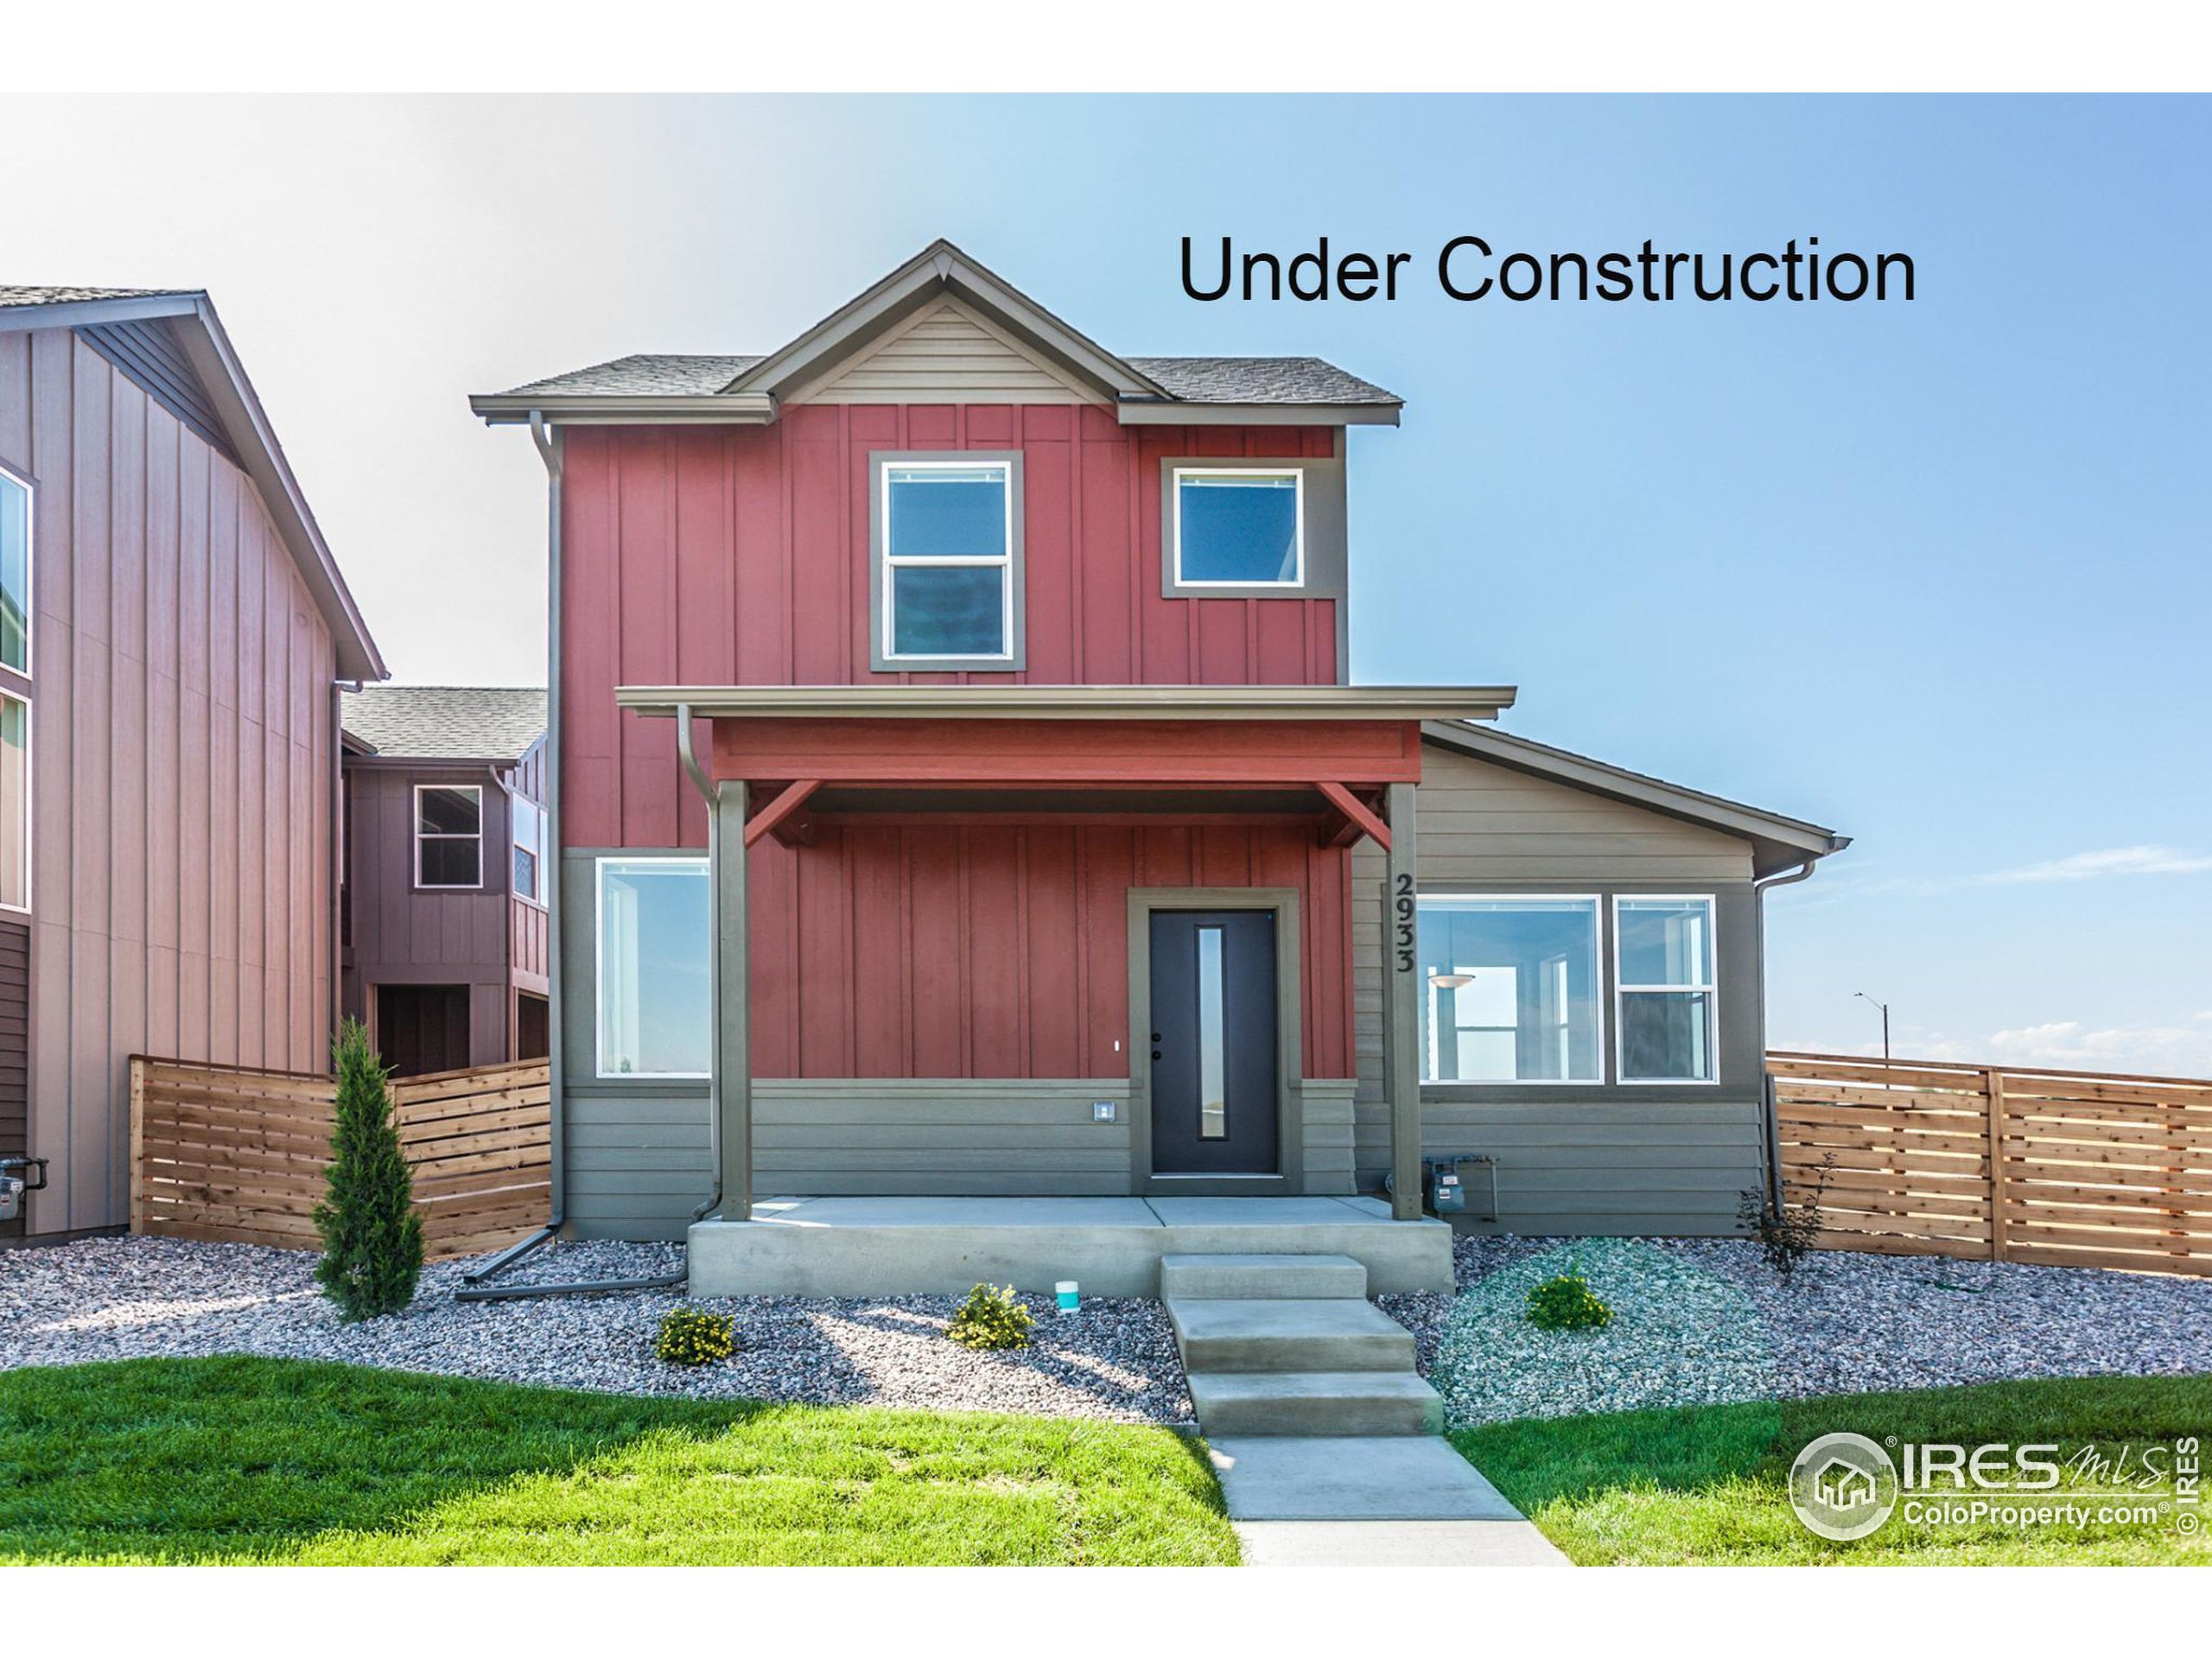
173, 633
959, 790
442, 921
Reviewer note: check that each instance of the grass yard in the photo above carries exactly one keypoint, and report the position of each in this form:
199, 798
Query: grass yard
1708, 1484
240, 1459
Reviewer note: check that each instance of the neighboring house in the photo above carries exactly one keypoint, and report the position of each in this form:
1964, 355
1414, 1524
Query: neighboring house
442, 922
173, 631
959, 790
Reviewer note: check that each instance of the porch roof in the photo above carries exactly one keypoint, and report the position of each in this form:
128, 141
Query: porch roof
1183, 702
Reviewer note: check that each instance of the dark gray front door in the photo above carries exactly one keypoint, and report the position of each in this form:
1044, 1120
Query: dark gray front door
1214, 1096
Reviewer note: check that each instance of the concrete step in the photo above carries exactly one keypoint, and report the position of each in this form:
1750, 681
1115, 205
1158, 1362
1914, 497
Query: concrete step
1275, 1278
1315, 1402
1336, 1334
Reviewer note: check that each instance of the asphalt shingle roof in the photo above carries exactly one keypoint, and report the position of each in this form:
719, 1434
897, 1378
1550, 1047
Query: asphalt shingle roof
1196, 379
446, 722
11, 297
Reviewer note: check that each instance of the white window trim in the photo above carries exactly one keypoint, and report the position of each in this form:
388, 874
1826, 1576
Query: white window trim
893, 561
538, 898
1710, 989
30, 569
1296, 474
30, 815
477, 885
599, 966
1597, 903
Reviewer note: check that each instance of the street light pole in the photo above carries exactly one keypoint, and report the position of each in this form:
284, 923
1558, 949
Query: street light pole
1884, 1007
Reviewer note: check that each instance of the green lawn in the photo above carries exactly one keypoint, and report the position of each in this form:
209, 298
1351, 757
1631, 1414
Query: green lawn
1706, 1485
241, 1459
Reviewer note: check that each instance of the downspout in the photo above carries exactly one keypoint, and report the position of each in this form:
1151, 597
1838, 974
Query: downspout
1771, 1134
477, 1287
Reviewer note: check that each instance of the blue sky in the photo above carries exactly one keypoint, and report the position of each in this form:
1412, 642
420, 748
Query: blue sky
1932, 573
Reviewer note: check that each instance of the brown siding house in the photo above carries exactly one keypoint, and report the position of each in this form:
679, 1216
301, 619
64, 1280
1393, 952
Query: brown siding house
444, 918
172, 631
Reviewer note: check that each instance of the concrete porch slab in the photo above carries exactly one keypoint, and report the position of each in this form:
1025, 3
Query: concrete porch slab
1112, 1247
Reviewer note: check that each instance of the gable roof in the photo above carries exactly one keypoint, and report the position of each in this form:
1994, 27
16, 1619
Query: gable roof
1778, 842
233, 409
661, 387
444, 722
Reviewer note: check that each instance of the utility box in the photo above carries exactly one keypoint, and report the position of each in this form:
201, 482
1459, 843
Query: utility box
13, 1184
1445, 1195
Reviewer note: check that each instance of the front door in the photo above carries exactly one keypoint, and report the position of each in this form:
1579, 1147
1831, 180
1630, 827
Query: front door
1215, 1096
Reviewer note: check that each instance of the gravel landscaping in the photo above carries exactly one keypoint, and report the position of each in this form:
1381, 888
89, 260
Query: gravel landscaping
1703, 1321
125, 1298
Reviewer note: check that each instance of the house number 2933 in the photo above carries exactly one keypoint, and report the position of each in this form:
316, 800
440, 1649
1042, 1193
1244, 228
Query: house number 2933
1402, 906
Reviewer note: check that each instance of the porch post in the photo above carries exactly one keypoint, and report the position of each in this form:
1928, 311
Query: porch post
1401, 1008
733, 1053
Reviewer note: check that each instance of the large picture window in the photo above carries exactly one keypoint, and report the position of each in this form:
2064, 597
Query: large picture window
1510, 989
656, 946
947, 574
1664, 972
14, 804
449, 836
1239, 527
15, 573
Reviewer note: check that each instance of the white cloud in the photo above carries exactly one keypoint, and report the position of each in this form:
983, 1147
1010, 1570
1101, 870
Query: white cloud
2112, 860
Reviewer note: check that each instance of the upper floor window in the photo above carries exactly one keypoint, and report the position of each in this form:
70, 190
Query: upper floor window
1239, 527
530, 849
15, 573
449, 836
1511, 991
948, 545
1664, 973
15, 802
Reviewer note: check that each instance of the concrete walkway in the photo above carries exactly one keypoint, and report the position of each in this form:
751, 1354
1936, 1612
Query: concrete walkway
1398, 1500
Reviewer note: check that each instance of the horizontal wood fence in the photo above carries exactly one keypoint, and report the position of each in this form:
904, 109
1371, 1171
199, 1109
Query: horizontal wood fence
239, 1156
2002, 1163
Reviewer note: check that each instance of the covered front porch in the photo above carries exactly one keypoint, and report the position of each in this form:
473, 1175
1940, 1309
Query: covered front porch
982, 952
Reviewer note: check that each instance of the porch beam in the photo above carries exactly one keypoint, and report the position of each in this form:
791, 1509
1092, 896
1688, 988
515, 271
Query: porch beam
1358, 819
1401, 1008
792, 798
732, 1057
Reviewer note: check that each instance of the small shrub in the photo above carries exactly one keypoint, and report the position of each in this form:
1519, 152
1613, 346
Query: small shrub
1787, 1233
992, 1317
372, 1237
691, 1335
1566, 1302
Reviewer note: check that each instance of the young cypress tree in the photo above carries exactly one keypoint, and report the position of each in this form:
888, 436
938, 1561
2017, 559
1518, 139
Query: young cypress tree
371, 1237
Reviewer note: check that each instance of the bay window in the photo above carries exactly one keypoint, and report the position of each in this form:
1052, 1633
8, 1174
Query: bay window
1510, 989
655, 964
1664, 982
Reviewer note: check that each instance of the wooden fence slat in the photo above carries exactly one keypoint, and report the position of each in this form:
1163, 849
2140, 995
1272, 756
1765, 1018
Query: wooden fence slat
231, 1154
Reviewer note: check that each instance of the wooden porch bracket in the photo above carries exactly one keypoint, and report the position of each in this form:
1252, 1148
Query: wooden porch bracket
793, 797
1358, 820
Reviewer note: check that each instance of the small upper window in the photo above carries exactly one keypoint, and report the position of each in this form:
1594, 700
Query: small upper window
15, 802
1662, 965
449, 836
15, 573
947, 562
1239, 527
530, 849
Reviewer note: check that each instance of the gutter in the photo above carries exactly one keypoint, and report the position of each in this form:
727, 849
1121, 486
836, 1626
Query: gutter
478, 1286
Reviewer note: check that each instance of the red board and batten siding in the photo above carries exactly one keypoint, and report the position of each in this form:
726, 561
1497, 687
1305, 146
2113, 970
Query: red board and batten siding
999, 952
739, 556
182, 736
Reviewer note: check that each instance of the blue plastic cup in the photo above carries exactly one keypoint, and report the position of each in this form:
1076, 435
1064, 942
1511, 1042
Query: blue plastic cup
1065, 1289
